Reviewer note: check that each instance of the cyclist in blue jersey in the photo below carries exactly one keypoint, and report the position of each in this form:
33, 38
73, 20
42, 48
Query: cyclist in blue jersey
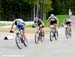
19, 23
40, 23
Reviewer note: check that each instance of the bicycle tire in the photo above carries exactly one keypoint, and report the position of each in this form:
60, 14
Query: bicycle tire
22, 40
41, 35
51, 36
18, 42
36, 37
66, 33
56, 35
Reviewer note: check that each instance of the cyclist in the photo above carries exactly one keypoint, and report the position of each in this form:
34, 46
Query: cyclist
40, 24
19, 23
52, 21
68, 21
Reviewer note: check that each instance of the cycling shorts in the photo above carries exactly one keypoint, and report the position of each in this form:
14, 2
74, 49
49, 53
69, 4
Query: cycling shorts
68, 23
53, 22
21, 27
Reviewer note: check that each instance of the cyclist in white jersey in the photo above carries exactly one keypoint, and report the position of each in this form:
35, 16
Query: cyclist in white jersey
19, 23
68, 21
53, 21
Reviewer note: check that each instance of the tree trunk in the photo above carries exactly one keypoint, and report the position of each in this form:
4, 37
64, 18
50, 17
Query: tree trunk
37, 8
44, 10
34, 11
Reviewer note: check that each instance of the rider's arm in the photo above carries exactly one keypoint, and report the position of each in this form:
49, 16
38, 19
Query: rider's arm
64, 21
34, 24
42, 23
48, 22
12, 26
24, 24
57, 20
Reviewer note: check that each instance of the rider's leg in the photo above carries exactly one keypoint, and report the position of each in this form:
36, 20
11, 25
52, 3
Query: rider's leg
24, 34
70, 28
25, 39
42, 30
55, 25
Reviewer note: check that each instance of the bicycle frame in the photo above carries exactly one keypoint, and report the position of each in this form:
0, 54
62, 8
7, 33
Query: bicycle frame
52, 28
53, 33
67, 31
19, 39
38, 35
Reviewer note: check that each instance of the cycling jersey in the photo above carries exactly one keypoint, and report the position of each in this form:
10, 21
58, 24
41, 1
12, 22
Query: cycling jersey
19, 24
53, 20
19, 21
38, 21
68, 21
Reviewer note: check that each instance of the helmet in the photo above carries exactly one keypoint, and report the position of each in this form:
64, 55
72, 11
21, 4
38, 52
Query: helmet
52, 15
36, 19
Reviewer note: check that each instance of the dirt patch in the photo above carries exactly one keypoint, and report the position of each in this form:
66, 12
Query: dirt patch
28, 30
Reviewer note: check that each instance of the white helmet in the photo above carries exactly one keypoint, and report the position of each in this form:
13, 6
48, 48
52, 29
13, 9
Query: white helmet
36, 18
52, 15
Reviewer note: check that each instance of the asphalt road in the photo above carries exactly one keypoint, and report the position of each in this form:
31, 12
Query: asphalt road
62, 48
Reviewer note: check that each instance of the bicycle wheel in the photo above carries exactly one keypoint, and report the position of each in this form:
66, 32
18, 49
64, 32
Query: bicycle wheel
56, 35
51, 36
70, 34
19, 42
23, 41
37, 37
41, 36
66, 33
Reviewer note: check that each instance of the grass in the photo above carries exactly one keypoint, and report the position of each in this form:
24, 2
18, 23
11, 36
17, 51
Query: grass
3, 24
61, 18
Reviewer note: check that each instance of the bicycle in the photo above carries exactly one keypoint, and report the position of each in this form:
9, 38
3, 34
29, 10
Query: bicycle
68, 32
53, 33
20, 42
39, 36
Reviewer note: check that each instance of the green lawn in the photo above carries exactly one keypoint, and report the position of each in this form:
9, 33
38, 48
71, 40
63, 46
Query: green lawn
60, 17
3, 24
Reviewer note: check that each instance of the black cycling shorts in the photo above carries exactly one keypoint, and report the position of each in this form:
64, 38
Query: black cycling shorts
68, 23
53, 22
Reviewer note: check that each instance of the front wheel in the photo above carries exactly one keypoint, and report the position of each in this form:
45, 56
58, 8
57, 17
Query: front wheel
56, 35
18, 42
51, 36
66, 33
36, 37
